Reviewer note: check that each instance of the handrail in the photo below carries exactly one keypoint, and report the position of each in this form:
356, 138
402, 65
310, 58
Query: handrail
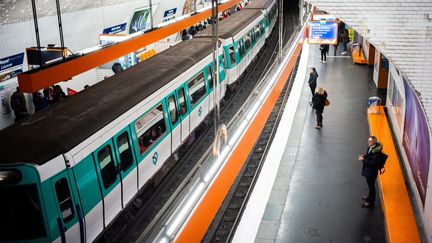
37, 79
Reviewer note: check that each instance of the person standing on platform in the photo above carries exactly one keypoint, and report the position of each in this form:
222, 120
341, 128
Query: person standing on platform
370, 169
313, 76
324, 49
318, 101
18, 104
345, 40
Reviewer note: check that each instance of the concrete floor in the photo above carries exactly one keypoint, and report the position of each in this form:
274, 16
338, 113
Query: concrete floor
317, 193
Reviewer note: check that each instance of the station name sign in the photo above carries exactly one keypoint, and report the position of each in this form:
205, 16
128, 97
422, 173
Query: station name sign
322, 32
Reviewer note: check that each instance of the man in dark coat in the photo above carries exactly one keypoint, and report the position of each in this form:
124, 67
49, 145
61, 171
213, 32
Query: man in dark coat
18, 104
370, 169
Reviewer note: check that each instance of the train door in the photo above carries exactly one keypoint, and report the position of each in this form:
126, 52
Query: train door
109, 181
183, 113
198, 99
174, 121
69, 220
210, 79
127, 165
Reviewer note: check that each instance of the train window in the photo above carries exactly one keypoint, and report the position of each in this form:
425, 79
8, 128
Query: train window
210, 76
64, 200
251, 33
247, 41
197, 88
21, 213
232, 55
149, 128
241, 48
125, 151
172, 109
182, 101
257, 31
107, 166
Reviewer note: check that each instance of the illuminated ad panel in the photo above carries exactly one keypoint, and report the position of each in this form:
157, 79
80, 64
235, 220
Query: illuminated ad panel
322, 32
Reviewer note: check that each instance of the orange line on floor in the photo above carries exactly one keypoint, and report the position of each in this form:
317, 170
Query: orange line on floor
204, 213
35, 80
399, 216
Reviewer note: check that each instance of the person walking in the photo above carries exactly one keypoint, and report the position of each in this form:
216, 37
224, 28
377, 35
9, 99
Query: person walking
370, 169
313, 76
324, 49
345, 40
319, 101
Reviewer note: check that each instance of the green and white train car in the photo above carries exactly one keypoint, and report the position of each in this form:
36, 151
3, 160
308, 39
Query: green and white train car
66, 172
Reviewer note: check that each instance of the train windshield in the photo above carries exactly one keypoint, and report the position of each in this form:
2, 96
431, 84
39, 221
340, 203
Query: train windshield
20, 211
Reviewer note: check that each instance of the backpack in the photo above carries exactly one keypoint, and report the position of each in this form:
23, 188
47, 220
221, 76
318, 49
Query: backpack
381, 159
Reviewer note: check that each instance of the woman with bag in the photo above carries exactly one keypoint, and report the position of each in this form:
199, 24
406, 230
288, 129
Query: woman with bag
319, 101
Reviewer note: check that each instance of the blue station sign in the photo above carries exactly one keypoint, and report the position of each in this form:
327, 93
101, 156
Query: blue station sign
115, 29
322, 32
11, 66
170, 12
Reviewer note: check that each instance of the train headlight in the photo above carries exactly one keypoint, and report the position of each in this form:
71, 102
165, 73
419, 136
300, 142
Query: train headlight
12, 176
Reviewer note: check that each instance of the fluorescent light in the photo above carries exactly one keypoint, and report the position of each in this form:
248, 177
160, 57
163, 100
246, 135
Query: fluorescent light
216, 165
181, 216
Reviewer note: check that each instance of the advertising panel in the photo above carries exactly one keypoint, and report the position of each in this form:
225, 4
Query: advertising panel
140, 20
322, 32
11, 66
416, 141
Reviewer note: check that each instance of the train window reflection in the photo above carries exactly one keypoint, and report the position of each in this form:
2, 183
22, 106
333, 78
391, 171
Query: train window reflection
182, 101
150, 128
107, 167
64, 199
125, 151
197, 88
172, 109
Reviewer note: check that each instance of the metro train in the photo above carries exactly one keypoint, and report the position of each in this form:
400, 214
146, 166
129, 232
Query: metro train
68, 171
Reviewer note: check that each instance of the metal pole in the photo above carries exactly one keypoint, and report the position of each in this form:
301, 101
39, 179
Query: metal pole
60, 27
195, 6
280, 28
151, 14
215, 45
36, 30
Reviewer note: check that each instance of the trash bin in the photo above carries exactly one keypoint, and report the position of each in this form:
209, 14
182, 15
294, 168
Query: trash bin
374, 104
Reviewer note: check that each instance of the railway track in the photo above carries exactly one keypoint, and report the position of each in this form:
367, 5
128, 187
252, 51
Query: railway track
137, 219
223, 226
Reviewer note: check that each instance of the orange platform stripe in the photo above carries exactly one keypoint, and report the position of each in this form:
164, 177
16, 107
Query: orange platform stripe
35, 80
204, 213
399, 216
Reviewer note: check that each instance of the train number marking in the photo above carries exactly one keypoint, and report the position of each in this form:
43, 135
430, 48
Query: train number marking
155, 158
200, 111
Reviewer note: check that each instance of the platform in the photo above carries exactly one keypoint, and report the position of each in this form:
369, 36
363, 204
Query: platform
316, 196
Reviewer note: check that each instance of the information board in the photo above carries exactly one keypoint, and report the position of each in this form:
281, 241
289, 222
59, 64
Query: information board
322, 32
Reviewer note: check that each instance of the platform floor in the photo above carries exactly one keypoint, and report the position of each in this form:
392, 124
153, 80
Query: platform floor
317, 193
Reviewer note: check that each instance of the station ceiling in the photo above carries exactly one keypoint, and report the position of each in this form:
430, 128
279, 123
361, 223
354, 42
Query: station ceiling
400, 29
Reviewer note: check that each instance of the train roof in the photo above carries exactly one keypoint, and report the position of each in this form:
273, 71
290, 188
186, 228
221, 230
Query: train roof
232, 25
63, 126
259, 4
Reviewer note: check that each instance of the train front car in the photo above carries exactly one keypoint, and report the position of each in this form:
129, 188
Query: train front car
21, 207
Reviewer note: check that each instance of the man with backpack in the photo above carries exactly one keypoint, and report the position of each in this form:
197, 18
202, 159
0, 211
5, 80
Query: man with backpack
373, 161
18, 104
